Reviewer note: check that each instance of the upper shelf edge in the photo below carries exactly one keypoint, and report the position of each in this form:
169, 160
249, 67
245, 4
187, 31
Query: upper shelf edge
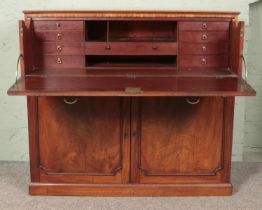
130, 14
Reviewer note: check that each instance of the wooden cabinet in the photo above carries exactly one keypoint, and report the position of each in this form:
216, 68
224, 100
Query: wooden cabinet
137, 103
177, 139
83, 139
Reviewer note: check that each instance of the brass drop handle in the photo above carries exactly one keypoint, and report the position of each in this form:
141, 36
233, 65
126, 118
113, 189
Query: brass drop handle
59, 36
59, 48
204, 37
203, 61
204, 26
17, 66
154, 47
70, 100
204, 48
192, 100
245, 66
59, 60
108, 47
58, 25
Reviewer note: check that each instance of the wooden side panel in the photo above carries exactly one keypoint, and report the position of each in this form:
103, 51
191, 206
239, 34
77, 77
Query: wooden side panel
32, 107
26, 46
236, 46
179, 141
228, 135
82, 142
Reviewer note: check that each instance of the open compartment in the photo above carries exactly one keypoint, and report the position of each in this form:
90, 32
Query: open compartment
93, 61
96, 30
142, 31
117, 31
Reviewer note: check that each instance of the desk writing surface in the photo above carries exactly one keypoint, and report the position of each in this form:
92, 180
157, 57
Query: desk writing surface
116, 86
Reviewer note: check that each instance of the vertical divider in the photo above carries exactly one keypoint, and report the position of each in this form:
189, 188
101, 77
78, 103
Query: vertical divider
107, 31
135, 139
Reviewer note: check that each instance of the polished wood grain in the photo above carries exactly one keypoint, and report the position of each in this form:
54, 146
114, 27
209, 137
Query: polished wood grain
204, 26
33, 135
237, 46
58, 25
26, 46
218, 189
188, 141
131, 103
150, 86
59, 61
203, 48
128, 14
58, 48
90, 135
65, 36
131, 48
193, 61
204, 37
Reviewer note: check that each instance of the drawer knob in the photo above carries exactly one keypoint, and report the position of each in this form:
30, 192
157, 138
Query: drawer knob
108, 47
204, 37
59, 60
58, 25
204, 26
204, 48
154, 47
59, 48
203, 61
59, 36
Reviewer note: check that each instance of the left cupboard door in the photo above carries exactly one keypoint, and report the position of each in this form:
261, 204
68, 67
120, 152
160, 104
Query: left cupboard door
84, 139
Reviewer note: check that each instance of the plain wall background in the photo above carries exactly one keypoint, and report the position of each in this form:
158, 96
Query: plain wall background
13, 115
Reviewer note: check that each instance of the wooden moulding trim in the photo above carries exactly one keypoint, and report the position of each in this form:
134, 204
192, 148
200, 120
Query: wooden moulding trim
211, 173
131, 189
132, 14
113, 173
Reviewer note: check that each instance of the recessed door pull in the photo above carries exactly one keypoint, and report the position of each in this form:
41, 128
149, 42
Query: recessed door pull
193, 100
70, 100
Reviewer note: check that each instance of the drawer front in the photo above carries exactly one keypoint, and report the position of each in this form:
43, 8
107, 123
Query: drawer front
203, 49
60, 36
204, 37
60, 61
58, 25
127, 48
203, 61
203, 26
70, 48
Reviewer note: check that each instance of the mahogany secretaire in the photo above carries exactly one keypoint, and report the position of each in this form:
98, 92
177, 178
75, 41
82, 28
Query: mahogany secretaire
130, 103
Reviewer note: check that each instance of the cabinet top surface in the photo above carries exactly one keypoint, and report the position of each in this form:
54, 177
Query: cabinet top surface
131, 14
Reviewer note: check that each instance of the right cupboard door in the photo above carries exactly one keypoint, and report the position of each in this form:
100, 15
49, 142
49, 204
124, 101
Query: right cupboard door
177, 140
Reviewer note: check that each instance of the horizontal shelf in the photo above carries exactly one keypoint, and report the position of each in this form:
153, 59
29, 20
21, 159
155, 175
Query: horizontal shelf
127, 61
136, 72
134, 39
117, 86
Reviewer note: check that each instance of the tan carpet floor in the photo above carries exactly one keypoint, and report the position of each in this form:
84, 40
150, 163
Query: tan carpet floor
14, 178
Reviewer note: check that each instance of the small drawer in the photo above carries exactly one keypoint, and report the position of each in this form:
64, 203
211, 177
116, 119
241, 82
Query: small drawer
202, 37
192, 61
60, 36
203, 26
129, 48
70, 48
203, 48
60, 61
58, 25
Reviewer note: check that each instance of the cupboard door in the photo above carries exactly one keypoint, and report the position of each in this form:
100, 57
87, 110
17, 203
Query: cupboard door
84, 139
174, 141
